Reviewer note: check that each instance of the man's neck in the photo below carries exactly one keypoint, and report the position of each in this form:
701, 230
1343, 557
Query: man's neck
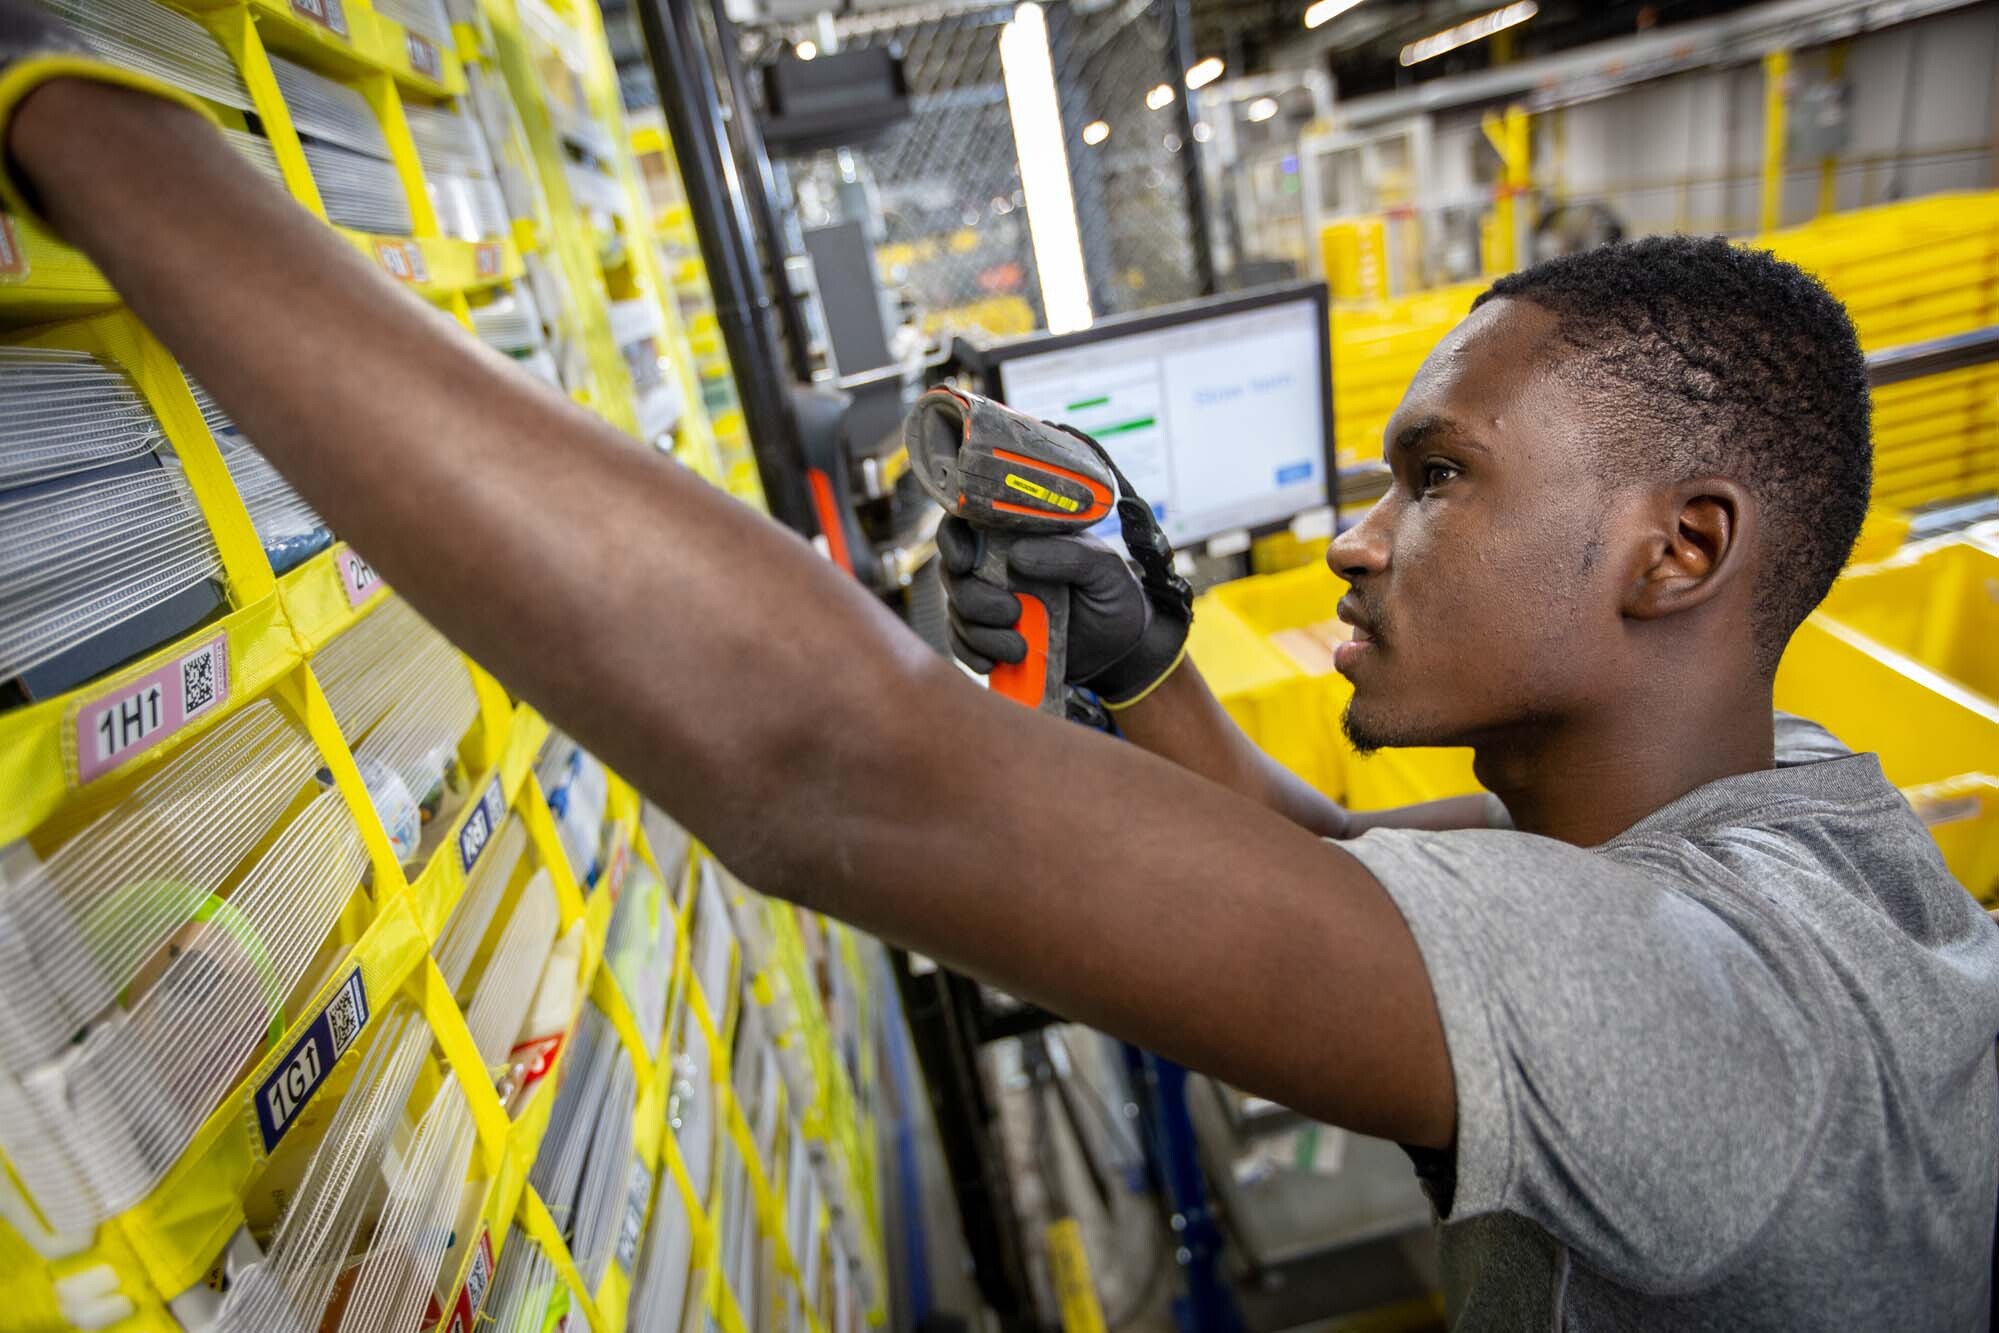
1584, 781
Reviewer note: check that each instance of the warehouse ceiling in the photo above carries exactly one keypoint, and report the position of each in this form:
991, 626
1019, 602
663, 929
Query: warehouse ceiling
1362, 47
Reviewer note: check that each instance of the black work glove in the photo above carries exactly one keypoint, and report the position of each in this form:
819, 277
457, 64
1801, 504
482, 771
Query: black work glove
1126, 634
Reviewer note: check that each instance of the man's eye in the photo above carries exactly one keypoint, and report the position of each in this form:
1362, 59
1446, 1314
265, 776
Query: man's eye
1436, 474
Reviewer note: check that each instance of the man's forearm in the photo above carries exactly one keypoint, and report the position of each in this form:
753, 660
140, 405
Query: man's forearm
1181, 720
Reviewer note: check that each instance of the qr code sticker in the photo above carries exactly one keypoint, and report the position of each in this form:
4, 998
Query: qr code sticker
197, 682
345, 1014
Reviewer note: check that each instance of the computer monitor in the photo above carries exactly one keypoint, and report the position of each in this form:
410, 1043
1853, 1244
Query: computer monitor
1219, 412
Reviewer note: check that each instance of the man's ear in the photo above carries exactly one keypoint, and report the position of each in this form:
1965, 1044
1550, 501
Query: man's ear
1697, 542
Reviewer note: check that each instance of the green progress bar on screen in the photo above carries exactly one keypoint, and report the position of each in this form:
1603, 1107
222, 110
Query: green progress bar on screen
1141, 424
1087, 402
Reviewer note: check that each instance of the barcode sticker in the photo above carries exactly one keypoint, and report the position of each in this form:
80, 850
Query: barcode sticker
489, 260
358, 577
402, 260
472, 1296
287, 1088
481, 823
130, 719
424, 57
328, 14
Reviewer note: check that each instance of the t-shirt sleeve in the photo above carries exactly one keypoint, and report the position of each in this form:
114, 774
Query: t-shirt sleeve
1638, 1070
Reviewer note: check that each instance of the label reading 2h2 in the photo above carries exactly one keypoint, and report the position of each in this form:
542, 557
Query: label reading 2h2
286, 1090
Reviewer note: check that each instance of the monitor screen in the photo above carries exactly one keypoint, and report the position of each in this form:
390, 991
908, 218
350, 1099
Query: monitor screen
1218, 418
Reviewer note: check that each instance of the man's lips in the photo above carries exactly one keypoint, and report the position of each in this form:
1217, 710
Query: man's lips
1349, 654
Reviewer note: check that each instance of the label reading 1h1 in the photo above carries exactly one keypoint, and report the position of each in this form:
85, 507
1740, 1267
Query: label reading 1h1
284, 1093
481, 822
136, 716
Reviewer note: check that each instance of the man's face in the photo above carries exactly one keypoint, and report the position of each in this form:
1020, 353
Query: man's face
1482, 598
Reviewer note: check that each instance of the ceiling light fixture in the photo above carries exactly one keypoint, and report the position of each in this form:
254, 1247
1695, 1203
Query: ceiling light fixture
1159, 98
1204, 72
1471, 30
806, 49
1323, 11
1096, 132
1263, 108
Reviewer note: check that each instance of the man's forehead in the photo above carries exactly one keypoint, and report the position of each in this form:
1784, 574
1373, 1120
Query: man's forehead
1486, 376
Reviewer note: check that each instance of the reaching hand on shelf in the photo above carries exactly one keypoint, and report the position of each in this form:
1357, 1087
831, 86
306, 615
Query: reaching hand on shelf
772, 705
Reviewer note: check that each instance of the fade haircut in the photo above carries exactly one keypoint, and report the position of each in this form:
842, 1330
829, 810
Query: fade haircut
1712, 359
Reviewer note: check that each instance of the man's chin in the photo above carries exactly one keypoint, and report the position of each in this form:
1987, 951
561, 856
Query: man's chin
1369, 727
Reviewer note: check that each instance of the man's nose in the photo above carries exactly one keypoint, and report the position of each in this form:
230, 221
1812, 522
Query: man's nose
1363, 548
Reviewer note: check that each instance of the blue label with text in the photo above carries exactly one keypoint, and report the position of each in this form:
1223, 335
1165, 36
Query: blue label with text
290, 1086
1294, 472
481, 823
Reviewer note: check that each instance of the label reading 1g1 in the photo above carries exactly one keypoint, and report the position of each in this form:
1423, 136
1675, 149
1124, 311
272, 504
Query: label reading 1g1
134, 717
286, 1090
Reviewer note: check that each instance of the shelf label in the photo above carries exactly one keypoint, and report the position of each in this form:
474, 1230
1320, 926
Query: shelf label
489, 259
284, 1093
481, 822
358, 577
13, 255
132, 718
637, 1194
424, 57
328, 14
472, 1296
402, 260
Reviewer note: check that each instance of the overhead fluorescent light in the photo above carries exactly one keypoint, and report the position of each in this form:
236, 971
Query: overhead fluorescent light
1160, 97
806, 49
1096, 132
1263, 108
1044, 170
1322, 11
1471, 30
1204, 72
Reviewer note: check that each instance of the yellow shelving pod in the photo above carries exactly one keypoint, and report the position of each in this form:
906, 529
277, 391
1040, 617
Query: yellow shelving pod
293, 843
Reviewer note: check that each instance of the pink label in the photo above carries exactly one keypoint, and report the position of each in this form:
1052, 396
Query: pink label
402, 260
358, 577
13, 259
328, 14
135, 717
424, 58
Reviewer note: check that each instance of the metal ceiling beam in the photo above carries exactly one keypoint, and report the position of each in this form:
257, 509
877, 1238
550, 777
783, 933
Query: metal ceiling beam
1595, 70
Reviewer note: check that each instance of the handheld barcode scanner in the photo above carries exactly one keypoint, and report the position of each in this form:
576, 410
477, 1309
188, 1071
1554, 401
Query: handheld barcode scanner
1012, 476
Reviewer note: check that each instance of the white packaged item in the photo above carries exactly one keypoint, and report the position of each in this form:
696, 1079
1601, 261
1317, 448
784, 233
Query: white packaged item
133, 993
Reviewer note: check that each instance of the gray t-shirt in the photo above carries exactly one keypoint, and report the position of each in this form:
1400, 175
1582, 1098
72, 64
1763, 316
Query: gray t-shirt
1732, 1069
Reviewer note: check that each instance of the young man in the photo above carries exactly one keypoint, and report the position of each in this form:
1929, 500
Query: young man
1706, 1042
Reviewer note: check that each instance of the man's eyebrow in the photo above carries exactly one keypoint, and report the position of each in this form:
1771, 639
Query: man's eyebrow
1425, 430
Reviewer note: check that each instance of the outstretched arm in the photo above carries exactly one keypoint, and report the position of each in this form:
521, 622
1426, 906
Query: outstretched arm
802, 733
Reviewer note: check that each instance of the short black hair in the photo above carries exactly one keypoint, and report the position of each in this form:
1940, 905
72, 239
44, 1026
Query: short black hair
1725, 361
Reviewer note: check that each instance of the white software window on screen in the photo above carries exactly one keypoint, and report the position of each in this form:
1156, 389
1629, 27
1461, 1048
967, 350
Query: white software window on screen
1219, 424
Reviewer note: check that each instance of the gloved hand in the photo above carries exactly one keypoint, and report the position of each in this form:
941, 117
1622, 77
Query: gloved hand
36, 47
1124, 636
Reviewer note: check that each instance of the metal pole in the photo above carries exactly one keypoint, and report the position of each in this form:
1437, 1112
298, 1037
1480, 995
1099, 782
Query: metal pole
1180, 59
1776, 90
688, 98
760, 186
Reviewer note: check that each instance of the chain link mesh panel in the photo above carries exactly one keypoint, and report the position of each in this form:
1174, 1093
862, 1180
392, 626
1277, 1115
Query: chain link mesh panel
955, 243
1131, 190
